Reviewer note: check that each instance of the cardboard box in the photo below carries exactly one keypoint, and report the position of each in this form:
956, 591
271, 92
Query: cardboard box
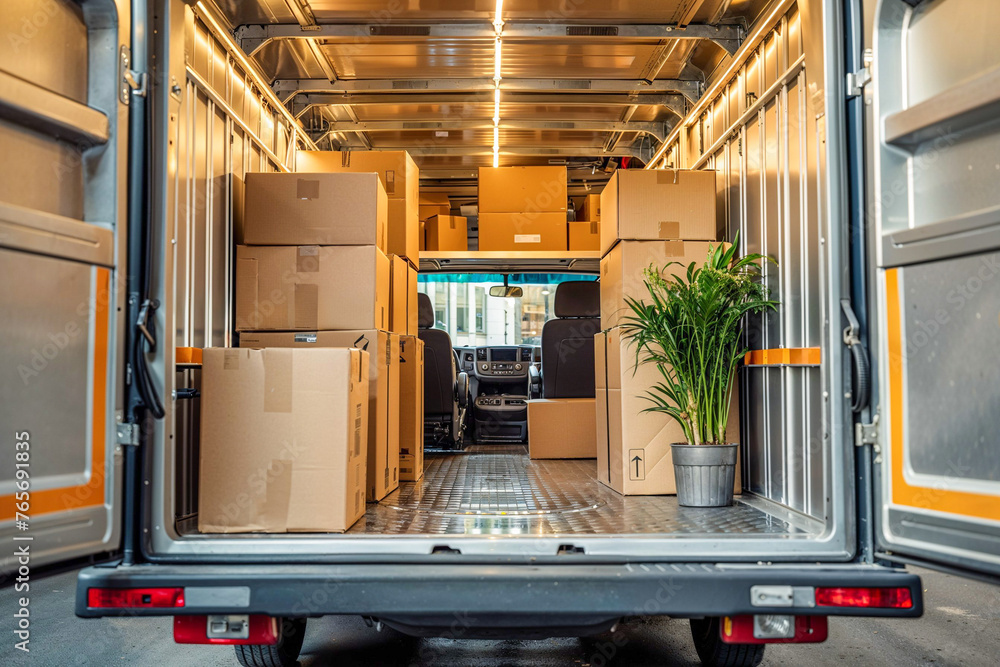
622, 271
562, 428
282, 435
522, 231
633, 451
584, 236
522, 189
315, 209
447, 232
411, 408
659, 204
399, 291
311, 287
432, 204
396, 169
404, 230
590, 209
383, 393
411, 301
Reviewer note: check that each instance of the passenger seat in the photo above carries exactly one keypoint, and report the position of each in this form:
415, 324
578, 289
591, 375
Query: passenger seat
568, 341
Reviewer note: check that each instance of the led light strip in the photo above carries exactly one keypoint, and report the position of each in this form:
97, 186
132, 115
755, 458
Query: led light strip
497, 60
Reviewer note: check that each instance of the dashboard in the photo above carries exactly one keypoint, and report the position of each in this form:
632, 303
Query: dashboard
500, 362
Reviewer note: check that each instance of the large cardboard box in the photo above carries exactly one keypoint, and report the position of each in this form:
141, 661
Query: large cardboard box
383, 393
311, 287
522, 189
447, 232
411, 408
584, 236
400, 177
411, 301
404, 230
396, 169
522, 231
562, 428
399, 290
622, 271
633, 450
659, 204
282, 440
590, 209
432, 204
315, 209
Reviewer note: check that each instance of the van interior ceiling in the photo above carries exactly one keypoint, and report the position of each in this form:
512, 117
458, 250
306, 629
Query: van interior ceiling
601, 91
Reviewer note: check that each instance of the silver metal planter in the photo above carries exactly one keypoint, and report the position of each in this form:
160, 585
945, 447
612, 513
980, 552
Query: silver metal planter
705, 474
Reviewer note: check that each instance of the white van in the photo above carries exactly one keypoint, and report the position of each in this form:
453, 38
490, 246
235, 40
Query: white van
855, 141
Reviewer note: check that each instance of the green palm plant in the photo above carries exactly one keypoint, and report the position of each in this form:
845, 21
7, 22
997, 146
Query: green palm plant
691, 330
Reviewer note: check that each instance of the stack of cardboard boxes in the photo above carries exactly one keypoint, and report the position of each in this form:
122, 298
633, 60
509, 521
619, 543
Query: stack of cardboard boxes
439, 229
585, 232
647, 218
400, 178
522, 208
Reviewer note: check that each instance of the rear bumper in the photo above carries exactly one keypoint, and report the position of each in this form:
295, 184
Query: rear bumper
539, 592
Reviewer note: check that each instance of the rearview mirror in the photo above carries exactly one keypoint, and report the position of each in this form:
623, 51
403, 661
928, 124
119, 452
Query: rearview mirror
506, 291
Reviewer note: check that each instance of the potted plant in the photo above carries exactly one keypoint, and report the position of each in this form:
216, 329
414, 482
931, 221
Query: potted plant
692, 331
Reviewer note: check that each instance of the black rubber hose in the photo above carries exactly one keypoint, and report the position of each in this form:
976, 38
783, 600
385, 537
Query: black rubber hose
862, 380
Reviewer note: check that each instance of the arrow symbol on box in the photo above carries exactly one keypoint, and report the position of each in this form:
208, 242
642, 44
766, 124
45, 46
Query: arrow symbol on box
636, 460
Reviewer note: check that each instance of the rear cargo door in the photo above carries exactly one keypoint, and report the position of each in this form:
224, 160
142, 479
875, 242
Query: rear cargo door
63, 129
934, 238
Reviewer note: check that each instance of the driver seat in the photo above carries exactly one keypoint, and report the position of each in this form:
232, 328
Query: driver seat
446, 390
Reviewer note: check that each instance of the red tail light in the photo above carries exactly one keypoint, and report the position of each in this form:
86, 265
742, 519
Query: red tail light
194, 630
132, 598
880, 598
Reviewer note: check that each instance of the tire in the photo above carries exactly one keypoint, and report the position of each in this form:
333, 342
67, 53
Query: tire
716, 653
283, 654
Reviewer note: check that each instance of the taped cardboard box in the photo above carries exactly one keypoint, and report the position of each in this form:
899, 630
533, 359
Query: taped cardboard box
590, 208
399, 290
397, 171
315, 209
584, 236
311, 287
522, 189
282, 440
400, 178
383, 393
622, 271
447, 232
633, 451
404, 230
658, 204
411, 408
522, 231
562, 428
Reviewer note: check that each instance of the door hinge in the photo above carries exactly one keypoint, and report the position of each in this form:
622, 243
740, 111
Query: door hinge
127, 434
130, 81
856, 81
868, 434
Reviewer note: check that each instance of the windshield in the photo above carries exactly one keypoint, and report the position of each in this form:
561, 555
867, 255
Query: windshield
464, 308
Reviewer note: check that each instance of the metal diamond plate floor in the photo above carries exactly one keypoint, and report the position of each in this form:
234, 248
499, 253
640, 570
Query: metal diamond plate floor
498, 490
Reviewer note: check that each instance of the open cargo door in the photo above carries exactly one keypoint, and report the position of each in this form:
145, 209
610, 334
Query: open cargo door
935, 249
63, 134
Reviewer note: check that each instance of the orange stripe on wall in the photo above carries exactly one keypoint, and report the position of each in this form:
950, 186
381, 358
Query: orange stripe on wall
784, 356
962, 503
90, 493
